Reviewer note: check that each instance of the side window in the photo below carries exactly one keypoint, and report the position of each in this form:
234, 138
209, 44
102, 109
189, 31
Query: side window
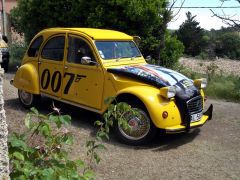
78, 48
34, 47
54, 48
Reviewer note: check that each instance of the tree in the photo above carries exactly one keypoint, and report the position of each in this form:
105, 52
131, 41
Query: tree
145, 18
191, 35
167, 16
227, 44
230, 20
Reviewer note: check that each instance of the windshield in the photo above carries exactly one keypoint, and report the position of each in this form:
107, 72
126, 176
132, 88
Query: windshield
117, 49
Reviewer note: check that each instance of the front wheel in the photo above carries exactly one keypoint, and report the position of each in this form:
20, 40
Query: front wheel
141, 130
27, 99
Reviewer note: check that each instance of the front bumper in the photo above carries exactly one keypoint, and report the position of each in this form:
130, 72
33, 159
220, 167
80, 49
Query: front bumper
180, 128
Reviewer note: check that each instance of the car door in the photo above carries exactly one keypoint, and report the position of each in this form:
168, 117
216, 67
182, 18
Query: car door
51, 65
83, 83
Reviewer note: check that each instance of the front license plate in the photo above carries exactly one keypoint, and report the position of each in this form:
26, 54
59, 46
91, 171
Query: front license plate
196, 117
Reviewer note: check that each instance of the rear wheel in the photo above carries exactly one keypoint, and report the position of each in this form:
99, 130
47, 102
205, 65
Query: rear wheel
27, 99
141, 130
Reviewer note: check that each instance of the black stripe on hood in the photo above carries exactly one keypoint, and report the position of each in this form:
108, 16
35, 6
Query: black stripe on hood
146, 78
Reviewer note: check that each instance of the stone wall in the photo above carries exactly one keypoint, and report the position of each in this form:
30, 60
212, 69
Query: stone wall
4, 161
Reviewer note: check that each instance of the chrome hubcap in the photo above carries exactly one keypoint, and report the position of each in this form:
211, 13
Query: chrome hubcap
139, 126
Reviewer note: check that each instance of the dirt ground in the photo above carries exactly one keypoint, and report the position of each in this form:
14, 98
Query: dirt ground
224, 66
211, 152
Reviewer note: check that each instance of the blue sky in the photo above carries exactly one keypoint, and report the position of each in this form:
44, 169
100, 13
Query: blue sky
204, 16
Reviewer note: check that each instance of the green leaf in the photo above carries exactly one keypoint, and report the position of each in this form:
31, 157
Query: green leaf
68, 139
55, 119
35, 111
100, 146
27, 120
65, 119
98, 123
15, 142
48, 173
19, 156
96, 157
62, 178
80, 163
109, 100
45, 130
89, 174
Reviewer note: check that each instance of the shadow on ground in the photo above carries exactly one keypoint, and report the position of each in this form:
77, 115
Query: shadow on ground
85, 119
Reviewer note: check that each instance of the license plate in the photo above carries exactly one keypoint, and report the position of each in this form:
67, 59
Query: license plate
196, 117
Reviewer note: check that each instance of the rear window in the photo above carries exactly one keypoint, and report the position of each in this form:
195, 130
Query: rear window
34, 47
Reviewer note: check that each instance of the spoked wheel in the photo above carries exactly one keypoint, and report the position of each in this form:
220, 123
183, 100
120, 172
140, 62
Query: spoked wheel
27, 99
141, 128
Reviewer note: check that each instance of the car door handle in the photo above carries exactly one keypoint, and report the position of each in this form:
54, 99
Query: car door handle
65, 67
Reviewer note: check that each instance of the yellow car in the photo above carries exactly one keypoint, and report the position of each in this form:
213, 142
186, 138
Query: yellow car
84, 66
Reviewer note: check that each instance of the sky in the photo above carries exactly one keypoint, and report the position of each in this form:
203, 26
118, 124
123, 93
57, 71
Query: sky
204, 16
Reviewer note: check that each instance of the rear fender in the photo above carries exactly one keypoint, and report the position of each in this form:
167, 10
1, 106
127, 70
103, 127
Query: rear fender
27, 79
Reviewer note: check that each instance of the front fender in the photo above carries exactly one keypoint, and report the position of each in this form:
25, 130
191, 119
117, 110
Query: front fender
155, 105
27, 79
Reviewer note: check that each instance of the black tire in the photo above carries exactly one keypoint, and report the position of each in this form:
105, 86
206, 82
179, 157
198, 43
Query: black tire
28, 100
135, 137
5, 66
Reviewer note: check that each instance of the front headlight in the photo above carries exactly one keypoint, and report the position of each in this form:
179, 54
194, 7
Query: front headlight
168, 92
200, 83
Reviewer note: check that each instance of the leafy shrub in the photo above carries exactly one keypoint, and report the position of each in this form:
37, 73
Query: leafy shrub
39, 153
224, 87
172, 52
17, 50
227, 44
203, 56
45, 159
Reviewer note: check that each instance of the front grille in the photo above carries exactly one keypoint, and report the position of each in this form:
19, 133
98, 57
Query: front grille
195, 105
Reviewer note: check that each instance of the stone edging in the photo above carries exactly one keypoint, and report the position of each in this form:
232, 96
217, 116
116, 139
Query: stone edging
4, 161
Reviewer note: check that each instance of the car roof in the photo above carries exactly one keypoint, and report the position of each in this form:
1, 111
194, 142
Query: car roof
97, 34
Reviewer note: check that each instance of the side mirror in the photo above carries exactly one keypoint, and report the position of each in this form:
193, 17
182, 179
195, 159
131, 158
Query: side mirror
88, 61
137, 40
148, 58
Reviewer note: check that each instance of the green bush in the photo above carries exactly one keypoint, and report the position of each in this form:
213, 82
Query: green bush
227, 44
17, 50
203, 56
40, 152
172, 52
224, 87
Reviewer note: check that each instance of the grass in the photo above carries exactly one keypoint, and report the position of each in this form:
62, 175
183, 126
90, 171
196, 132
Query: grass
219, 86
224, 87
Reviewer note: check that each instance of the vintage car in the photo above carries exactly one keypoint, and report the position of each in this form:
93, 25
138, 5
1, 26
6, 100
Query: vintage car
4, 52
85, 66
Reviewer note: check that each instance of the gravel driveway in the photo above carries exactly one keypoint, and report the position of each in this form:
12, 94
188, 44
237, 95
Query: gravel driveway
211, 152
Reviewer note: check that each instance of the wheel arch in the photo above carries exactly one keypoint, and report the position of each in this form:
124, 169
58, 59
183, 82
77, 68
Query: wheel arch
129, 97
27, 79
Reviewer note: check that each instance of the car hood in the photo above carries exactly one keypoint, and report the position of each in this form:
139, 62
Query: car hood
159, 77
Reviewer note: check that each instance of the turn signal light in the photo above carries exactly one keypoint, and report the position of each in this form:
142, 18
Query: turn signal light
165, 114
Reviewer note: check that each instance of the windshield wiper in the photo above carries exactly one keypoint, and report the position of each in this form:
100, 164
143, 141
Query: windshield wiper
121, 57
133, 57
